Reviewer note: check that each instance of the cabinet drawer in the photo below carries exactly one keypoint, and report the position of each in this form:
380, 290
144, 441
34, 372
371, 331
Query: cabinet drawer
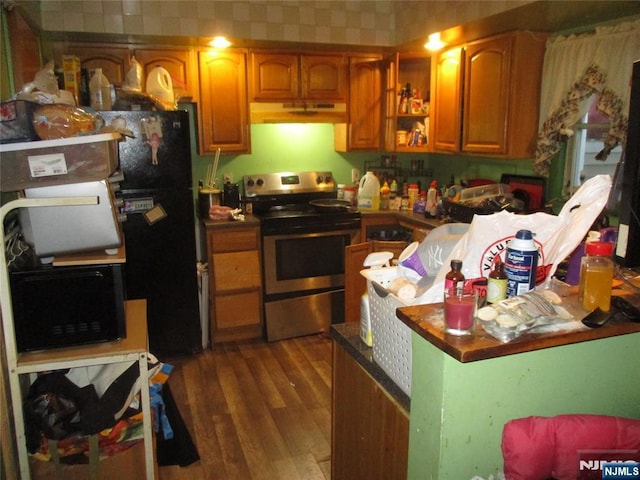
236, 271
238, 310
233, 241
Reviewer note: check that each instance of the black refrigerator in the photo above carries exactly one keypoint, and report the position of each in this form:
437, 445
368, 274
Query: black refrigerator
159, 229
627, 252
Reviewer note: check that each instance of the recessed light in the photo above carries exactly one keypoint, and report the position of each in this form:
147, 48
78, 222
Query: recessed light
434, 42
220, 42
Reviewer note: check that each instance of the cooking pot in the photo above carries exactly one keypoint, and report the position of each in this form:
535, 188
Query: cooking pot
208, 197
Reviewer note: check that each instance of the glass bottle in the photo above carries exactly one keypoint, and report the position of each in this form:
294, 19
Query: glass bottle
596, 275
497, 282
454, 278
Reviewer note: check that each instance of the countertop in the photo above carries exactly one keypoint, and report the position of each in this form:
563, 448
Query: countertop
347, 336
427, 321
400, 215
249, 221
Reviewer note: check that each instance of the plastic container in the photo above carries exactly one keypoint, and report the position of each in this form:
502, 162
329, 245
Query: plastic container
413, 195
57, 162
596, 275
159, 84
521, 263
369, 192
100, 91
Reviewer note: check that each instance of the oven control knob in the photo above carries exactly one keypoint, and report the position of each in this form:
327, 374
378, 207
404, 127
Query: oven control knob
328, 179
250, 182
260, 182
319, 179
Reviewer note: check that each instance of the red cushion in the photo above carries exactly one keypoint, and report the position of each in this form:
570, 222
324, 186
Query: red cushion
527, 449
536, 448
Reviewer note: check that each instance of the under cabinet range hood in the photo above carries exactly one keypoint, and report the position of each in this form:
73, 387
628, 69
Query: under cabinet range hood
298, 112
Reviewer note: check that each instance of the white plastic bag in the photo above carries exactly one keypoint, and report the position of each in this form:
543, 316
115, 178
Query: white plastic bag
555, 236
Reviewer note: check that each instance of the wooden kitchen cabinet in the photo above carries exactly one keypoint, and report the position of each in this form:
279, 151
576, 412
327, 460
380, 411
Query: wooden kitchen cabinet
363, 129
114, 60
115, 63
400, 70
235, 283
446, 106
281, 76
223, 109
180, 63
486, 96
370, 430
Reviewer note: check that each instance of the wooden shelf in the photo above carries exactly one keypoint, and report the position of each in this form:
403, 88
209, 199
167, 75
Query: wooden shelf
99, 257
121, 350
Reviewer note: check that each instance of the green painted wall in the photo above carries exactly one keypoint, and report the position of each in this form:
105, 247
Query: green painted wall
301, 147
458, 409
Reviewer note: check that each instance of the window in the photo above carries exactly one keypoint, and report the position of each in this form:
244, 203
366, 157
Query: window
583, 147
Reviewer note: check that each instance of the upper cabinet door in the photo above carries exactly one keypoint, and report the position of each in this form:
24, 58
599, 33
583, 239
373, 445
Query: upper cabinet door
298, 77
486, 96
180, 64
323, 77
223, 111
114, 61
275, 76
446, 100
365, 99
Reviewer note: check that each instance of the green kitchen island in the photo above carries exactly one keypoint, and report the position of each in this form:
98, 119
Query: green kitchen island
464, 389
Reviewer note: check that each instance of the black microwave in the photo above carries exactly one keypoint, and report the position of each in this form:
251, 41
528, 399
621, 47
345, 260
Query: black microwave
63, 306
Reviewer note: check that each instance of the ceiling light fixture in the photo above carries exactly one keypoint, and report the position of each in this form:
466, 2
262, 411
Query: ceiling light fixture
434, 42
220, 42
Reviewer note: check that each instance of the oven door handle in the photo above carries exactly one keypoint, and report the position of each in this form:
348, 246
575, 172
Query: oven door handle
331, 233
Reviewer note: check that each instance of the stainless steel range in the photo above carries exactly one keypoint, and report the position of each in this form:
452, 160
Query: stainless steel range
305, 230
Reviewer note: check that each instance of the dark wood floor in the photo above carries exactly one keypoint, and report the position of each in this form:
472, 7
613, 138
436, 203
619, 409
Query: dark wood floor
257, 410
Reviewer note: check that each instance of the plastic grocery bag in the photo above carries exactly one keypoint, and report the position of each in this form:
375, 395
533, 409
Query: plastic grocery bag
556, 236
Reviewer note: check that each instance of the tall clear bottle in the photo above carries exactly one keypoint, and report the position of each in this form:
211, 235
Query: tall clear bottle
100, 91
596, 276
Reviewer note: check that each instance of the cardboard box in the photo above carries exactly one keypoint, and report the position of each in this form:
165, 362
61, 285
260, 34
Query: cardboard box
58, 162
127, 465
71, 70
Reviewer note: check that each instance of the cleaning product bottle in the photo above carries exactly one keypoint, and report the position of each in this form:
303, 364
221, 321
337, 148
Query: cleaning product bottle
384, 196
369, 192
432, 199
521, 263
100, 91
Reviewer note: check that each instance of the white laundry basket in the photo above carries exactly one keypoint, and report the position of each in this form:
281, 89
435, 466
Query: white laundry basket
391, 337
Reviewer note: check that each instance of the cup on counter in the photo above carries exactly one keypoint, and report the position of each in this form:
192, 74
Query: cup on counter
410, 259
459, 311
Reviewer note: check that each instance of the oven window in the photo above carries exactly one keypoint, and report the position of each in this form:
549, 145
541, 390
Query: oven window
305, 257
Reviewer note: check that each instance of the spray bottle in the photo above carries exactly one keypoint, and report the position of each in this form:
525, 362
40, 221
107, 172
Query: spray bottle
432, 199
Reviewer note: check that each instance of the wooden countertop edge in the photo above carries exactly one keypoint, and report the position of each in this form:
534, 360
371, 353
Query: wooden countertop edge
482, 346
249, 221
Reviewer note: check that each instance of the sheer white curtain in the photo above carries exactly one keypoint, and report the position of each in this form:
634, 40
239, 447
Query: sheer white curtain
577, 67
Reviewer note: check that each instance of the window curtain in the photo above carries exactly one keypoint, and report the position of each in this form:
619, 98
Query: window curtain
577, 67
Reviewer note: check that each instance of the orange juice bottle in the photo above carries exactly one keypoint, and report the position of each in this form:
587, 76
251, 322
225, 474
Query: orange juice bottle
596, 275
